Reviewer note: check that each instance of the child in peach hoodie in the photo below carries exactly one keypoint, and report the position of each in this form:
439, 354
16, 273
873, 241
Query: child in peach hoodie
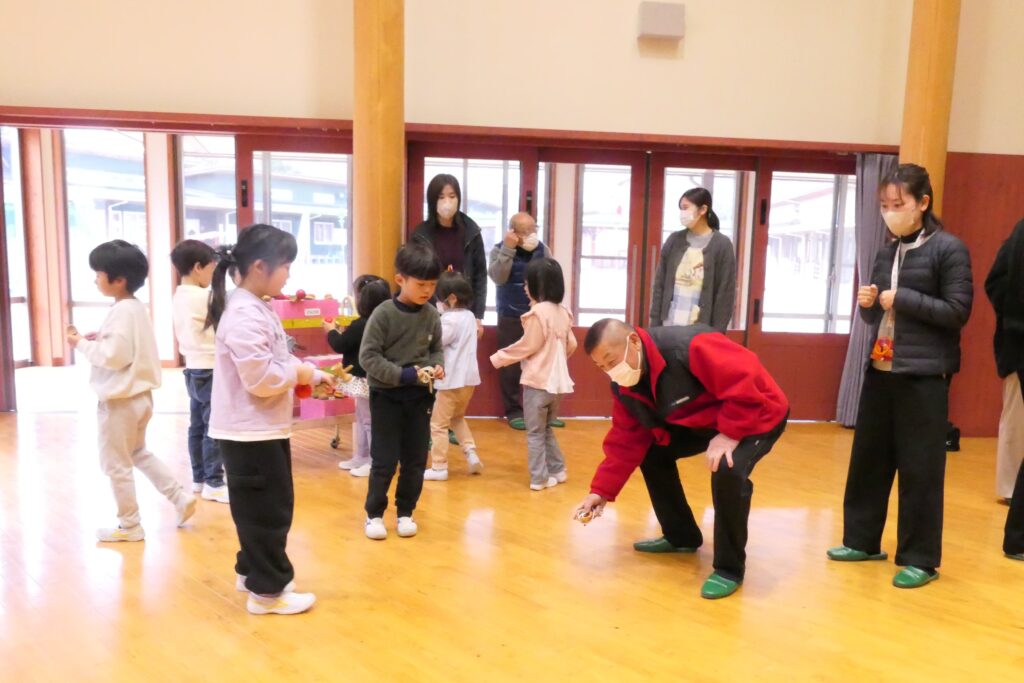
544, 350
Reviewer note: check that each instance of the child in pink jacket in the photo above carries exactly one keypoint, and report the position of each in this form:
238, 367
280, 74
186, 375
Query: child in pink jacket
544, 350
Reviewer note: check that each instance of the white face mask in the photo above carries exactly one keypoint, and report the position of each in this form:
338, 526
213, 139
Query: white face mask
624, 374
530, 242
900, 223
446, 208
687, 218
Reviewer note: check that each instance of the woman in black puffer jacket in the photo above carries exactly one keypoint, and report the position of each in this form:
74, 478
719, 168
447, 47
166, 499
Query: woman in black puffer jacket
918, 300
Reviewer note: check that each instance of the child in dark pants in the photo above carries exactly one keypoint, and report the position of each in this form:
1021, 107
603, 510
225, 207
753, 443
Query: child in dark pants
251, 417
402, 353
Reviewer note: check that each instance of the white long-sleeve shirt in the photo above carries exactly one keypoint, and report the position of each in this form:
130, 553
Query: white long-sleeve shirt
458, 337
124, 357
195, 340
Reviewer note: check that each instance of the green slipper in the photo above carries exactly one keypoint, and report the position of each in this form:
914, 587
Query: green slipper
1015, 556
452, 439
556, 423
912, 577
845, 554
517, 423
660, 545
717, 587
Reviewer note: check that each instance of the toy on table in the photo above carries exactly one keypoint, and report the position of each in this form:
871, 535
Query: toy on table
325, 391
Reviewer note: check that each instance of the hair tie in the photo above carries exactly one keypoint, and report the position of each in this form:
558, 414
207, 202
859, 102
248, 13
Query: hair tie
227, 255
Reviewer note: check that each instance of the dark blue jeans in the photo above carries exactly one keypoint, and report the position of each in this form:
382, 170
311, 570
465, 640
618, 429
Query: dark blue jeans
207, 463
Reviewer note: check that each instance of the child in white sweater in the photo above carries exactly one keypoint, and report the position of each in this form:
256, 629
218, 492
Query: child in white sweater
195, 261
462, 376
126, 369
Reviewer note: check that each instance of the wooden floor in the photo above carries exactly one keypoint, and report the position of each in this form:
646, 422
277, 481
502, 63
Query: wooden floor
500, 585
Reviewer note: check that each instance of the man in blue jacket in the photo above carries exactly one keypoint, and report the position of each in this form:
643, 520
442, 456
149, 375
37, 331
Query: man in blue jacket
507, 269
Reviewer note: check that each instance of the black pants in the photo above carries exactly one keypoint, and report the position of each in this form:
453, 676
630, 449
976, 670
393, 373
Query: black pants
259, 475
400, 434
731, 491
1013, 539
901, 427
510, 330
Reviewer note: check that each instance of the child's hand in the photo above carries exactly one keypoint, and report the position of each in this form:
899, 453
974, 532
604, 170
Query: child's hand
438, 372
73, 336
304, 373
321, 377
479, 328
329, 326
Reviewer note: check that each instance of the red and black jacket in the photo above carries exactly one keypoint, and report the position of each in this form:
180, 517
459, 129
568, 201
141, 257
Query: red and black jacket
698, 379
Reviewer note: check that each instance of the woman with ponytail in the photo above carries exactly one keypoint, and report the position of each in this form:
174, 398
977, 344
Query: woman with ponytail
251, 413
696, 277
918, 299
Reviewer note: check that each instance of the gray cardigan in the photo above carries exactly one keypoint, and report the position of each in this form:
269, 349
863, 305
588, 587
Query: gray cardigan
717, 298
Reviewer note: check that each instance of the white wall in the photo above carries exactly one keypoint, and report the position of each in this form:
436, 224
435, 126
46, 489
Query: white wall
788, 69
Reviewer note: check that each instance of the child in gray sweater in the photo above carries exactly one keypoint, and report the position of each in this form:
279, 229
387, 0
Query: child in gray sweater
402, 355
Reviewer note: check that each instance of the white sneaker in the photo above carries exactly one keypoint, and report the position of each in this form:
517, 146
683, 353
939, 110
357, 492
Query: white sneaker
361, 471
285, 603
119, 535
240, 585
475, 466
407, 527
186, 509
218, 494
550, 483
435, 475
562, 477
352, 463
375, 529
197, 487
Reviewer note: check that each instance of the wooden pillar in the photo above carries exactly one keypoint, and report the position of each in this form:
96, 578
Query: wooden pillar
929, 92
378, 182
42, 172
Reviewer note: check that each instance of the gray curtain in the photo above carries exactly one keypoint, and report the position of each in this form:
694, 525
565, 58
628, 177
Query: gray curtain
870, 233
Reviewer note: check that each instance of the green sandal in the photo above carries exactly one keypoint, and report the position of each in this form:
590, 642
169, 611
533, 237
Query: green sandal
912, 577
452, 439
556, 423
717, 587
845, 554
660, 545
518, 424
1015, 556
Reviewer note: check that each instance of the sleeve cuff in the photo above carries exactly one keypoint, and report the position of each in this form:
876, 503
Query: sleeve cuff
409, 377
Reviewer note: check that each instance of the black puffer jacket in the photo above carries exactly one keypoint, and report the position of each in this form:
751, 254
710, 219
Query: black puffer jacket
1005, 289
933, 301
474, 268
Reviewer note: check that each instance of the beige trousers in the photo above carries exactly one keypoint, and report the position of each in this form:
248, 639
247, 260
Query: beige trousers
450, 413
1010, 450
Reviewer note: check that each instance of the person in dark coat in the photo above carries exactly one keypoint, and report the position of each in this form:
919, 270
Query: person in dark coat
455, 238
1005, 289
918, 300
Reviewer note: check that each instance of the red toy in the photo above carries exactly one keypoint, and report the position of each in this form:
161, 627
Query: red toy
303, 391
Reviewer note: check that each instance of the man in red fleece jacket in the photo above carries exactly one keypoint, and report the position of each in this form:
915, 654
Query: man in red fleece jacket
680, 391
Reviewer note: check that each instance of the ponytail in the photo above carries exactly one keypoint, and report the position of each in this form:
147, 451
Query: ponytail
259, 242
218, 287
713, 220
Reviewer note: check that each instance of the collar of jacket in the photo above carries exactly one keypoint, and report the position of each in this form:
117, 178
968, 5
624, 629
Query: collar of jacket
470, 230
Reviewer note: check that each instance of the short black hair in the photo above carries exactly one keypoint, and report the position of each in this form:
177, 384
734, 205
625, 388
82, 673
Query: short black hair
372, 295
595, 335
544, 280
455, 283
118, 258
187, 253
418, 260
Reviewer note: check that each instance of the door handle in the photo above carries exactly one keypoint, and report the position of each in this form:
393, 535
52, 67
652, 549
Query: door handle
757, 311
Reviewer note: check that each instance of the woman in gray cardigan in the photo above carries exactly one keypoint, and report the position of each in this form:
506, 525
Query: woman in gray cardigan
696, 277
